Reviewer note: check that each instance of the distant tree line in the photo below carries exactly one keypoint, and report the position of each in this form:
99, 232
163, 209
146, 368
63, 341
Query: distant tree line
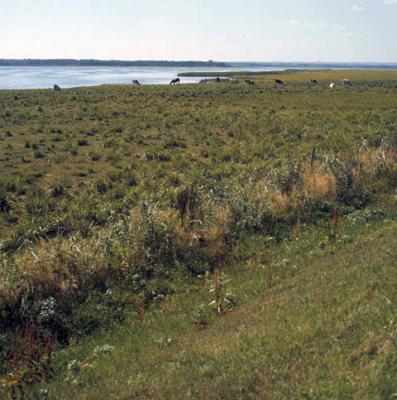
106, 63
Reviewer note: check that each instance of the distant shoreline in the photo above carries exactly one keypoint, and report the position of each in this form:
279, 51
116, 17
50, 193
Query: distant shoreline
239, 66
240, 73
231, 74
107, 63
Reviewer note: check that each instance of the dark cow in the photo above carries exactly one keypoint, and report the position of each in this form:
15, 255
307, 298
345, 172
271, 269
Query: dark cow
279, 82
175, 81
312, 82
249, 82
135, 82
346, 82
57, 88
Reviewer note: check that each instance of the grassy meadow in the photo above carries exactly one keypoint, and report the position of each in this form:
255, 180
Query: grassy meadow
208, 241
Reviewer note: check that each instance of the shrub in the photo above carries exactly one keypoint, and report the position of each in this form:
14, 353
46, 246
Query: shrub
38, 203
82, 142
58, 190
187, 203
8, 185
95, 157
173, 143
131, 178
164, 157
5, 206
38, 154
74, 151
102, 187
349, 190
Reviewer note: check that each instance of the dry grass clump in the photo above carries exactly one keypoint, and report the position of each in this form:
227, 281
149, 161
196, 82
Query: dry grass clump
263, 192
209, 239
368, 171
377, 167
53, 269
319, 184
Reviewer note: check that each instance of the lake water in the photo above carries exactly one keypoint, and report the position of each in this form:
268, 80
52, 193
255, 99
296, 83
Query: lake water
46, 77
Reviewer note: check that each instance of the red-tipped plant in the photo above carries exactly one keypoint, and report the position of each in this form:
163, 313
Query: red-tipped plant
334, 224
30, 359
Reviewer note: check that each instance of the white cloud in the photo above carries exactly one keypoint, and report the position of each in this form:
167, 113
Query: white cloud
357, 8
294, 22
390, 1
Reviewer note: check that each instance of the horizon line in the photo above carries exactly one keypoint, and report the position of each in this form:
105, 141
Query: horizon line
198, 60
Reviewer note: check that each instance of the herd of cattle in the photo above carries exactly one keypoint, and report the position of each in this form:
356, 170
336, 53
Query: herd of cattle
278, 82
249, 82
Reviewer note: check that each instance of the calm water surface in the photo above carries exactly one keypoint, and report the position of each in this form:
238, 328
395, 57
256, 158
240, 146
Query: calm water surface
46, 77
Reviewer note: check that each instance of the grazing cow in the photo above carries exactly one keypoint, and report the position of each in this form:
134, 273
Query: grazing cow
57, 88
218, 79
249, 82
175, 81
346, 82
279, 82
135, 82
312, 82
332, 85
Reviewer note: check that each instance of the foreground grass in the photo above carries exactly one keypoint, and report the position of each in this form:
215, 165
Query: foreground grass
147, 204
315, 320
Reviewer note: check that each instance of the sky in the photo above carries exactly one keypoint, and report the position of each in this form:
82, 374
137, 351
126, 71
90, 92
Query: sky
223, 30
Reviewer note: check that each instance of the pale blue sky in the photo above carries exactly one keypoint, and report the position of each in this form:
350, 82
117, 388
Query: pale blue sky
254, 30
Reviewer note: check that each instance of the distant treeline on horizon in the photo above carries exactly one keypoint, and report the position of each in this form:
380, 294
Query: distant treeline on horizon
219, 64
106, 63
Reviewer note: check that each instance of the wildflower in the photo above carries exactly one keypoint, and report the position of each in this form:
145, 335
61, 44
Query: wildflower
103, 350
47, 309
74, 367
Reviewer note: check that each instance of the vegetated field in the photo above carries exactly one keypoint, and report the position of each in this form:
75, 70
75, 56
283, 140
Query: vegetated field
187, 242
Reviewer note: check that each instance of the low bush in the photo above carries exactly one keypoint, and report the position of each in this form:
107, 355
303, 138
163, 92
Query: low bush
5, 206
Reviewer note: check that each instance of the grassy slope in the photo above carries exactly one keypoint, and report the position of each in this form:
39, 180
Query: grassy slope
315, 320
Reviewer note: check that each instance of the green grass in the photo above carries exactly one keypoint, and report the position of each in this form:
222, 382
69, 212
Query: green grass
320, 325
235, 73
81, 136
297, 75
125, 211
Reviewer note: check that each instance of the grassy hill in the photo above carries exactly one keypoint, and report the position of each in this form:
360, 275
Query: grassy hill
202, 241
